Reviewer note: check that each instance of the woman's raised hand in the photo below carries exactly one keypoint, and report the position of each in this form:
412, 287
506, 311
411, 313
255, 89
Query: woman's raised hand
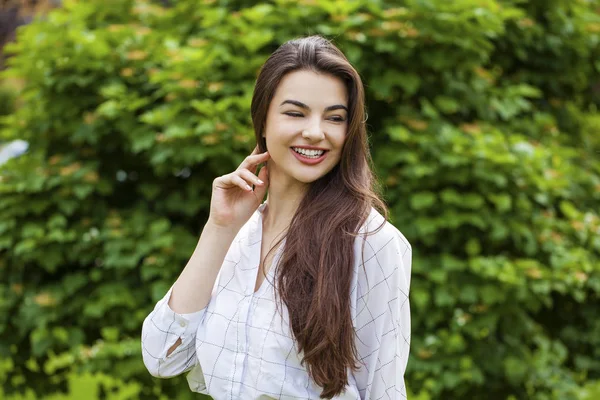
233, 201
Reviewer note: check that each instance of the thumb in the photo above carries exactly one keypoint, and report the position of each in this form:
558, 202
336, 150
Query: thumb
260, 191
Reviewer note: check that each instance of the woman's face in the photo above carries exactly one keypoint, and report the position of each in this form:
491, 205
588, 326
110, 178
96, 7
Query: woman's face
308, 114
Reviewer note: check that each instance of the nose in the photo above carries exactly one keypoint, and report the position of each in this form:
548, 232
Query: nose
313, 132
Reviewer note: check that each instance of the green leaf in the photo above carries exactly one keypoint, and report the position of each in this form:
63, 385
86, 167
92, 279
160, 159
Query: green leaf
422, 200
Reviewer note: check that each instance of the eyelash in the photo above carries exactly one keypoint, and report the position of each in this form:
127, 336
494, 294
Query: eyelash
297, 115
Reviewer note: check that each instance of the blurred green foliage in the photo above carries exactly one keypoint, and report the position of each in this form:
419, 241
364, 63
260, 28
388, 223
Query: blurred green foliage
7, 100
484, 127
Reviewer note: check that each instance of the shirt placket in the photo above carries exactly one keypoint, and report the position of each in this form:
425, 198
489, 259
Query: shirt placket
242, 349
239, 374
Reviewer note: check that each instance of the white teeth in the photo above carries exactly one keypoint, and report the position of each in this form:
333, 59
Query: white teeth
309, 153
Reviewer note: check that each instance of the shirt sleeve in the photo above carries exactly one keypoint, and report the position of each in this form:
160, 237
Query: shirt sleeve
160, 330
382, 319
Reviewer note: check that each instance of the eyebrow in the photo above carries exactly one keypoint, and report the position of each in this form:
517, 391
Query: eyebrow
304, 106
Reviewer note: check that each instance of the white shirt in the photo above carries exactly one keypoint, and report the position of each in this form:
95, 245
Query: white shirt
240, 347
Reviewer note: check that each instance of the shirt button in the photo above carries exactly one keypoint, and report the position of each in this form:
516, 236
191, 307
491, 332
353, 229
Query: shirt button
182, 324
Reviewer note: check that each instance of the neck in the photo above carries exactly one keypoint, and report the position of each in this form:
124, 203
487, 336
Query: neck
283, 199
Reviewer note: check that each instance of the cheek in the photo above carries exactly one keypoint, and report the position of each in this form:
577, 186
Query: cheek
281, 129
339, 139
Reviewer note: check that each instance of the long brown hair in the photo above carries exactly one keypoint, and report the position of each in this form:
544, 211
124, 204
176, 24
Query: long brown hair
314, 273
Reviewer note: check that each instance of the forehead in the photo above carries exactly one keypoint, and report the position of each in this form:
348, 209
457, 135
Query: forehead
316, 90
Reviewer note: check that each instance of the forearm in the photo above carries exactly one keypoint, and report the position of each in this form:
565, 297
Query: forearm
192, 290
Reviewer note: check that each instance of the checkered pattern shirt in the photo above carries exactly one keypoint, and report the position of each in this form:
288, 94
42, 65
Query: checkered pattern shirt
240, 347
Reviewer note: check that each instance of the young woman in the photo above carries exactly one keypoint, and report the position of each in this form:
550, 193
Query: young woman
304, 295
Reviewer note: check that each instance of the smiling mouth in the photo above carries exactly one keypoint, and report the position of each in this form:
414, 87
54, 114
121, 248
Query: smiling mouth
313, 154
309, 159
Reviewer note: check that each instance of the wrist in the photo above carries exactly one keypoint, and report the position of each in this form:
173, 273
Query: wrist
220, 229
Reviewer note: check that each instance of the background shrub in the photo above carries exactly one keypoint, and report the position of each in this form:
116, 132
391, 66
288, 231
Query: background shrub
484, 127
7, 100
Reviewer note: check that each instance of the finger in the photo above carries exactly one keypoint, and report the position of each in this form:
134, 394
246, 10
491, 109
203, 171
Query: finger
239, 181
251, 162
231, 180
260, 191
264, 174
249, 177
255, 159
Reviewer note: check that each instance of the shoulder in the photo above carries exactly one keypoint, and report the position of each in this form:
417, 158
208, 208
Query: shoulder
382, 254
388, 234
383, 262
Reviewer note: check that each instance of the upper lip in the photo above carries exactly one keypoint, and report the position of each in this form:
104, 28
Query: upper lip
310, 148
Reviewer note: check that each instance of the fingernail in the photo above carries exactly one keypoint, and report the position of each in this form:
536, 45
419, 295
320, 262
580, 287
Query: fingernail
259, 181
248, 187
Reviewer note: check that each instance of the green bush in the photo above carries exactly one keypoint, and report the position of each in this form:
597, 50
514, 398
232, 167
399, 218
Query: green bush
484, 127
7, 100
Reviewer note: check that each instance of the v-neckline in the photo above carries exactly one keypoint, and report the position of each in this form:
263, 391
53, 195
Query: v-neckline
274, 261
269, 274
255, 290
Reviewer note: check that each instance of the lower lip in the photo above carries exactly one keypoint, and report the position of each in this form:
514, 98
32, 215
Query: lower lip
309, 161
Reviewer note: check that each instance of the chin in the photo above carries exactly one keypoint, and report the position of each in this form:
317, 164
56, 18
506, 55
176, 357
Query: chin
307, 179
310, 178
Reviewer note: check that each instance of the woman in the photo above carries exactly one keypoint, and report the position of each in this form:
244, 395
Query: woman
304, 296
